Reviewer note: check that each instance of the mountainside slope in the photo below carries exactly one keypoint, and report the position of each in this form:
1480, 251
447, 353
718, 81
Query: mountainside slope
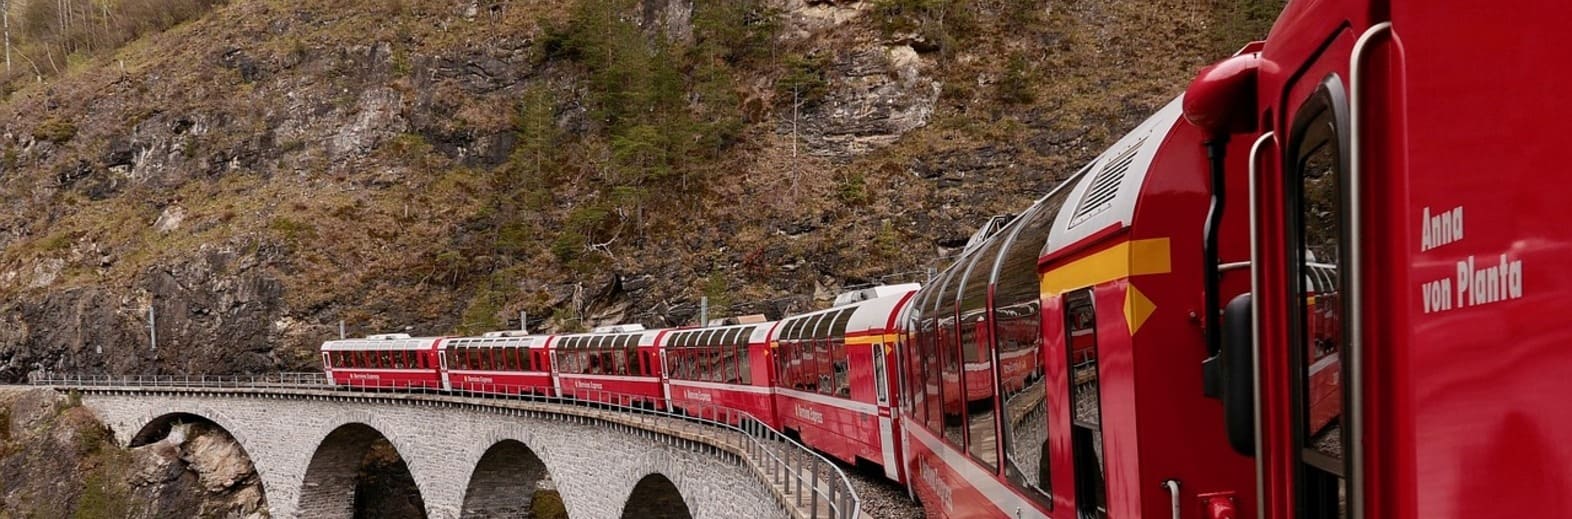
268, 169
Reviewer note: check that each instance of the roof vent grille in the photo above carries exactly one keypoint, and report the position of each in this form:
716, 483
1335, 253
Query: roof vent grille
1105, 186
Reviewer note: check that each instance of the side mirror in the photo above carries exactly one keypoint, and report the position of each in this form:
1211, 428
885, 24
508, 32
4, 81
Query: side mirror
1237, 368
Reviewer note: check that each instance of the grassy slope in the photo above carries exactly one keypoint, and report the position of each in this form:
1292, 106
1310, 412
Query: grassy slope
398, 228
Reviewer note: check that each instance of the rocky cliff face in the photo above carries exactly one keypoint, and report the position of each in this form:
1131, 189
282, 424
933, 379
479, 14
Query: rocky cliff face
57, 460
271, 168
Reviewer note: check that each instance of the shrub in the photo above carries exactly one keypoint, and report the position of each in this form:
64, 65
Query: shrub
55, 130
804, 81
548, 505
1015, 85
292, 230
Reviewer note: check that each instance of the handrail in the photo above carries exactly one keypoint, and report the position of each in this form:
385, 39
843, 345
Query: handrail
767, 451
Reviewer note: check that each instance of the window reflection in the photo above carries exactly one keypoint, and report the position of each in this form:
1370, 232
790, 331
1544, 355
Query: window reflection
1322, 334
1085, 406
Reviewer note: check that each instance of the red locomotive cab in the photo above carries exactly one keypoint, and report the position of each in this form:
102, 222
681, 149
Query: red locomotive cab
1408, 348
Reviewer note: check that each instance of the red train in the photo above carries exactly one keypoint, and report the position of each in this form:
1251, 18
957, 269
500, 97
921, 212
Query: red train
1259, 303
821, 376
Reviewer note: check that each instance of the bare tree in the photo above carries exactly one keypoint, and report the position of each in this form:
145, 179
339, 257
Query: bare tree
5, 15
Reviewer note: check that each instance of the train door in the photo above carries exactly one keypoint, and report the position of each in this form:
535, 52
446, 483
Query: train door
556, 369
442, 368
1310, 420
1085, 392
665, 379
327, 366
881, 388
1316, 210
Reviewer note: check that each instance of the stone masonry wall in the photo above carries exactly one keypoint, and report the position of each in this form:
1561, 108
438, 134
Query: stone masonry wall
594, 466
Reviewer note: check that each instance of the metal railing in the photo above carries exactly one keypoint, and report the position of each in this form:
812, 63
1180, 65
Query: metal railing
807, 479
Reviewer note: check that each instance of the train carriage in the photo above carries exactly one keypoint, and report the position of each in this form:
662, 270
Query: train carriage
394, 360
1087, 282
616, 364
833, 386
510, 362
726, 366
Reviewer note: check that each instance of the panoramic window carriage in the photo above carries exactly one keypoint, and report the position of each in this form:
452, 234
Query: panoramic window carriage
1316, 204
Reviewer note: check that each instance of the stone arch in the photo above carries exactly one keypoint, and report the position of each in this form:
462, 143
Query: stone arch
210, 457
355, 468
656, 497
506, 482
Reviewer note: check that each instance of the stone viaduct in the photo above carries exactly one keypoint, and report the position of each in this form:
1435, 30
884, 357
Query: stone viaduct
467, 459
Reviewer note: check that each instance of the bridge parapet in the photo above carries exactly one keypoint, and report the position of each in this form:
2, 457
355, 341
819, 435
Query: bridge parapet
803, 483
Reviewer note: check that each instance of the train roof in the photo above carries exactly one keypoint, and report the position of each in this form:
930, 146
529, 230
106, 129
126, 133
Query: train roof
492, 340
381, 342
607, 340
1107, 195
838, 321
719, 335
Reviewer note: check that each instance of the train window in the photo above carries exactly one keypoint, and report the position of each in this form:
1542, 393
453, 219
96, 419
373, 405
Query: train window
1086, 435
838, 355
838, 329
690, 363
701, 362
805, 368
826, 364
954, 394
712, 364
911, 354
1018, 341
744, 367
783, 358
1318, 226
977, 366
932, 378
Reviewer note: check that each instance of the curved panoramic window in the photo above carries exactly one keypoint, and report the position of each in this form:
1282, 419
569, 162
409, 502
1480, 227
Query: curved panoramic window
953, 393
1018, 339
977, 365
